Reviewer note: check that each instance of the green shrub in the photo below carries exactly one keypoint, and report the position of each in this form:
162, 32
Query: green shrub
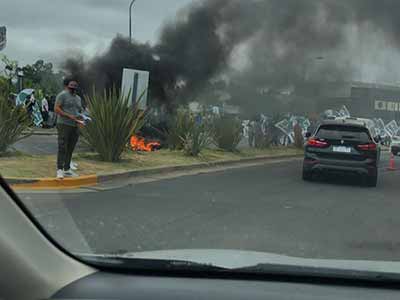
265, 142
14, 121
227, 133
196, 139
178, 128
114, 123
185, 133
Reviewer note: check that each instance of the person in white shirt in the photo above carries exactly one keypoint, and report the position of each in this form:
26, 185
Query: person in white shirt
45, 110
45, 104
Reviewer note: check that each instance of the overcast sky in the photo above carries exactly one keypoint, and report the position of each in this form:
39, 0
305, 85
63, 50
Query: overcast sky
47, 29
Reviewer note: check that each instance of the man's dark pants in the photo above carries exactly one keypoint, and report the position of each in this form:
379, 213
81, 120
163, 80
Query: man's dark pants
67, 139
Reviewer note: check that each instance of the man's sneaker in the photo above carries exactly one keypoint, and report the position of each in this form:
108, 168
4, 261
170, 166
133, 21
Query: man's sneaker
70, 173
74, 166
60, 174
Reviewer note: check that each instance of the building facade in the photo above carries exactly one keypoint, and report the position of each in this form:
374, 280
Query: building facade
363, 100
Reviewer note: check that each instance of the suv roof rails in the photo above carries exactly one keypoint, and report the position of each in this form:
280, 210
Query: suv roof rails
349, 121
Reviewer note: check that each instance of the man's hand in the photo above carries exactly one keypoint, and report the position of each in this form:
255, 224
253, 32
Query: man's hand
73, 118
81, 124
58, 110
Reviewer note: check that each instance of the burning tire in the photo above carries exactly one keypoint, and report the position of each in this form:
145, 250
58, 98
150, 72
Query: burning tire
139, 144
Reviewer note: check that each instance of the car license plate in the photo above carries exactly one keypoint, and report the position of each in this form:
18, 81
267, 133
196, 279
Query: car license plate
341, 149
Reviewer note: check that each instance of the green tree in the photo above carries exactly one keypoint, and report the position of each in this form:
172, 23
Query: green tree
41, 75
8, 68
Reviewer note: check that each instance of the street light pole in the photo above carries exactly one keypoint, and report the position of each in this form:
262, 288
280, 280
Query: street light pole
130, 20
20, 76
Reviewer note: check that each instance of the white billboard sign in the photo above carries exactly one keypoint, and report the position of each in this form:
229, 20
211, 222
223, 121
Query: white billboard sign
136, 84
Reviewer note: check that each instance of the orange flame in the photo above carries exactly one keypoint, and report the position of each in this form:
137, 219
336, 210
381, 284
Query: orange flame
139, 144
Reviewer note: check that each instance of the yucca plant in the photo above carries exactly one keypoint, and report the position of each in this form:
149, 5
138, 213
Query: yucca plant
113, 123
14, 124
227, 132
196, 139
178, 128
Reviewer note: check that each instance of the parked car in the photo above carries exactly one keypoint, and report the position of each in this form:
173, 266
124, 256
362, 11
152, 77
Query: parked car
340, 146
395, 145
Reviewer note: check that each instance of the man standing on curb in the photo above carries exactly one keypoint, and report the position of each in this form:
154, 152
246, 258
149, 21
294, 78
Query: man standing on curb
68, 108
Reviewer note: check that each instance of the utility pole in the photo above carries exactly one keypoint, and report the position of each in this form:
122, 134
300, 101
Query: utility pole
130, 20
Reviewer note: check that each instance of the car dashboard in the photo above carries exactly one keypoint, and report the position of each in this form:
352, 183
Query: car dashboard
104, 285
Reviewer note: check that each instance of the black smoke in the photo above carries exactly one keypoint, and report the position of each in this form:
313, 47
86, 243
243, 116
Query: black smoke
189, 52
286, 41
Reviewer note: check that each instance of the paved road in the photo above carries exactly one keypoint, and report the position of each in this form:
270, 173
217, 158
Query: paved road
263, 208
43, 145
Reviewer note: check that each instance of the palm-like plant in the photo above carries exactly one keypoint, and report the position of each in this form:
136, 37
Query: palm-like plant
14, 124
113, 123
227, 132
179, 127
196, 139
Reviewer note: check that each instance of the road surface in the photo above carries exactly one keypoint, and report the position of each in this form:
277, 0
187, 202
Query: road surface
265, 208
44, 145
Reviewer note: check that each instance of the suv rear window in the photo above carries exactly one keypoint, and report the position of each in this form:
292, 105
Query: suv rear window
340, 132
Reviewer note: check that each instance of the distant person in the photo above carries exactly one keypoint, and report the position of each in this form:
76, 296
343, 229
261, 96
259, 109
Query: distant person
52, 115
251, 133
52, 102
258, 134
275, 140
45, 111
313, 127
29, 103
68, 107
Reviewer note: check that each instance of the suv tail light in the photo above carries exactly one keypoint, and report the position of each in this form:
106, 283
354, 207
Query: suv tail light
317, 143
367, 147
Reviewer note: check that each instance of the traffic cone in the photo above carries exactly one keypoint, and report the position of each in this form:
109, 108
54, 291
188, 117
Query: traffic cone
392, 166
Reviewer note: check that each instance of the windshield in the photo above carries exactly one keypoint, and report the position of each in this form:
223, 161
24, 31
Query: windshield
206, 131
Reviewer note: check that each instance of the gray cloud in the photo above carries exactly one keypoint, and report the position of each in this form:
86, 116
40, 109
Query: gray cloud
48, 29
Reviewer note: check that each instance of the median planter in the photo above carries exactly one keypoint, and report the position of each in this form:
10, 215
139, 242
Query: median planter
41, 169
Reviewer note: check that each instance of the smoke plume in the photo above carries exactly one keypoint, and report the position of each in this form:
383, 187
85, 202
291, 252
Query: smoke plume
270, 44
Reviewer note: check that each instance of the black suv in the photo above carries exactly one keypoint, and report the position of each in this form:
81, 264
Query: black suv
342, 146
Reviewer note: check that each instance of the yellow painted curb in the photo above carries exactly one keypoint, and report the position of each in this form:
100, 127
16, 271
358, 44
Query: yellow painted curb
57, 184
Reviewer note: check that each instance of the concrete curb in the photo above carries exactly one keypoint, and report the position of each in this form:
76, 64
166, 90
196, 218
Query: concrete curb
52, 183
92, 180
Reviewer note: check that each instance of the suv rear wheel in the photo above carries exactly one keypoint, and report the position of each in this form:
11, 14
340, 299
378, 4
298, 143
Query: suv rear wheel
372, 180
307, 175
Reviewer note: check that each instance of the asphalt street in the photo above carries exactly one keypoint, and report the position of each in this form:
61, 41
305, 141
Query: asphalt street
265, 208
43, 145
